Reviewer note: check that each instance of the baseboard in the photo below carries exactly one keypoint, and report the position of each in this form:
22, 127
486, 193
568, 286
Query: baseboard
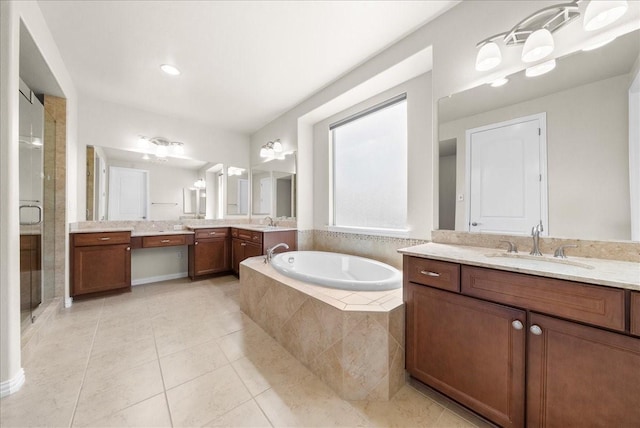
68, 301
12, 385
158, 278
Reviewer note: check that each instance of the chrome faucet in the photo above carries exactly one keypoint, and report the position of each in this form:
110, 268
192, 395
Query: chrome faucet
269, 255
560, 251
271, 222
535, 233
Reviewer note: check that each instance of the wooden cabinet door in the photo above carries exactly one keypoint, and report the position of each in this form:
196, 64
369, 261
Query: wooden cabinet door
469, 350
241, 250
101, 268
581, 376
211, 256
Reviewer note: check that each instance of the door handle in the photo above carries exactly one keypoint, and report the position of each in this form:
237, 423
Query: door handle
165, 241
475, 223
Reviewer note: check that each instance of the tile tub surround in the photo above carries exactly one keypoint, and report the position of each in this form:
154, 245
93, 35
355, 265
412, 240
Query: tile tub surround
353, 341
609, 250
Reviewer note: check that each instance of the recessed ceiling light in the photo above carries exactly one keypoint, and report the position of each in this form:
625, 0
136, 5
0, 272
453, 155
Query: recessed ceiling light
170, 69
499, 82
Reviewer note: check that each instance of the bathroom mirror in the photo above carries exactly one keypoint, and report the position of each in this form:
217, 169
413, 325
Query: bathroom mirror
237, 191
170, 184
194, 201
586, 102
273, 187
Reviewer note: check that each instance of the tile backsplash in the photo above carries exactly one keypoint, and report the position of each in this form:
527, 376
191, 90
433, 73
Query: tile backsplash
609, 250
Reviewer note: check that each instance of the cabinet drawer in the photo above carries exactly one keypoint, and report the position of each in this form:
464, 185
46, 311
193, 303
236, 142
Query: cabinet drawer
635, 313
249, 235
212, 233
103, 238
163, 241
572, 300
434, 273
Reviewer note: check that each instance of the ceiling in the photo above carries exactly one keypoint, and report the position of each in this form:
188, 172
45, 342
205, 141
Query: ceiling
243, 63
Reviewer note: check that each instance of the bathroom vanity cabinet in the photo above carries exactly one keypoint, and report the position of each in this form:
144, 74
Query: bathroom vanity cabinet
507, 344
210, 252
247, 243
100, 262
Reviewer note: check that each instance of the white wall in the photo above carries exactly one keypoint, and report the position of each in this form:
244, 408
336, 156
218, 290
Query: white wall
419, 106
116, 126
588, 196
11, 14
447, 193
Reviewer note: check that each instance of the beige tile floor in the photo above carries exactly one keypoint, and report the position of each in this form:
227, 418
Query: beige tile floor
180, 353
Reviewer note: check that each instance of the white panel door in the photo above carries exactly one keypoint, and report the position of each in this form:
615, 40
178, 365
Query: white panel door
507, 177
127, 193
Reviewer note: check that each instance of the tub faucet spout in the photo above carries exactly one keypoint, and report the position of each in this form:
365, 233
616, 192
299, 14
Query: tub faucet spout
269, 255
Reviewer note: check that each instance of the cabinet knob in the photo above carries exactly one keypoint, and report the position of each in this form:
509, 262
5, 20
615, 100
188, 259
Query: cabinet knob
128, 248
196, 243
535, 329
517, 324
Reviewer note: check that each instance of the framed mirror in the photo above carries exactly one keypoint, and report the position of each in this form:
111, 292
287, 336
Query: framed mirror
170, 190
273, 187
585, 101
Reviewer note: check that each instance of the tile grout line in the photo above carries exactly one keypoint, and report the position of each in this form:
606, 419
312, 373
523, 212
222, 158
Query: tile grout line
155, 345
86, 367
253, 397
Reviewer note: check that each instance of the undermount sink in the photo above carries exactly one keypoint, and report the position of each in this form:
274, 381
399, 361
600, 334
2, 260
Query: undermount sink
540, 259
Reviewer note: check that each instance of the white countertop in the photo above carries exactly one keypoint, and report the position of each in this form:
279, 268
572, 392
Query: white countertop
102, 229
611, 273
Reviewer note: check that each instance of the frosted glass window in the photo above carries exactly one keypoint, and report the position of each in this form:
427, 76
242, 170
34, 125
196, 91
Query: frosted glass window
370, 168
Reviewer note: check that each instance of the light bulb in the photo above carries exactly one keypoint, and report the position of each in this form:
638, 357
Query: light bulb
540, 69
263, 152
602, 13
277, 146
538, 45
489, 57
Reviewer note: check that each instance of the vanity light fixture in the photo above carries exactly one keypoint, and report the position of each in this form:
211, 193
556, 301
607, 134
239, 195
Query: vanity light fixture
540, 69
161, 147
489, 57
538, 45
271, 149
170, 69
499, 82
535, 33
232, 170
599, 14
